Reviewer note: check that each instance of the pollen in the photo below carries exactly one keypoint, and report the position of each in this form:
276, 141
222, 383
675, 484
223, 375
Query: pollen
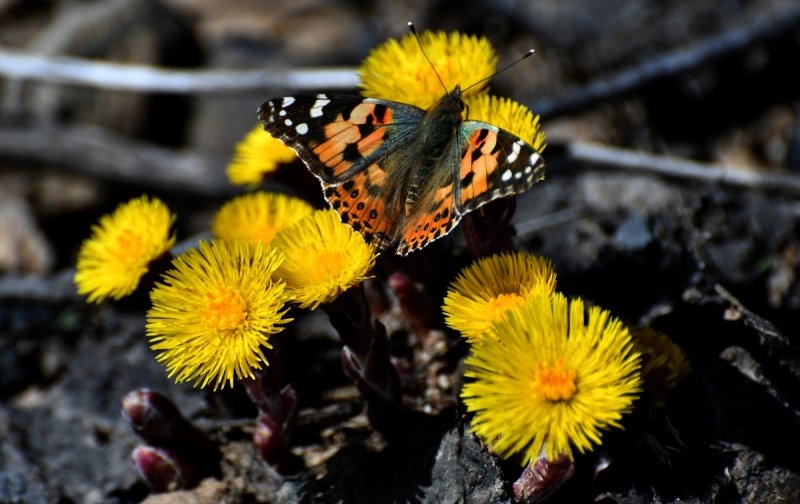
556, 382
504, 302
327, 261
225, 309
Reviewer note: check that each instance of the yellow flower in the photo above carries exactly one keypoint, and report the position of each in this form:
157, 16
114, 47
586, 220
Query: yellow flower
509, 115
258, 154
483, 292
554, 378
664, 364
258, 216
398, 71
323, 258
122, 246
212, 317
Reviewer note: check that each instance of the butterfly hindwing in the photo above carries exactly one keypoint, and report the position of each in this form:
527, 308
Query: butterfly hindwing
435, 217
360, 203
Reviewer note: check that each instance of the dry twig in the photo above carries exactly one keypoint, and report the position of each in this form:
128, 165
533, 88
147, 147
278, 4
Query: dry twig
668, 64
106, 75
682, 168
100, 153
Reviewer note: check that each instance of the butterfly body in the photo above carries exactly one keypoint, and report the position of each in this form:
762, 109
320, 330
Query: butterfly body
400, 175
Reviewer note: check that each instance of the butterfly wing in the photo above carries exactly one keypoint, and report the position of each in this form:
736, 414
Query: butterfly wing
485, 163
494, 164
348, 143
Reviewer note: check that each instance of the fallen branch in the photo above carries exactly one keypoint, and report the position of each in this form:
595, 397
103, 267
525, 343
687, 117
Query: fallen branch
764, 327
667, 65
97, 152
56, 288
106, 75
643, 162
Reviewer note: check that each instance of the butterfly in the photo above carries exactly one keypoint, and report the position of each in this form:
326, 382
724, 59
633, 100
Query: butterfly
401, 175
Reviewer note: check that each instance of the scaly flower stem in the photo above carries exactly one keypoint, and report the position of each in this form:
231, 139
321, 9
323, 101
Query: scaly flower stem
278, 408
365, 356
418, 310
542, 478
176, 454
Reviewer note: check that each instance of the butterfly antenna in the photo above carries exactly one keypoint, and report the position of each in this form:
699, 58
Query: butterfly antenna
422, 48
526, 55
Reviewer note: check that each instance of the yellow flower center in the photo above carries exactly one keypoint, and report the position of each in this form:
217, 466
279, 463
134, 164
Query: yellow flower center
129, 248
224, 309
501, 303
324, 265
556, 383
265, 234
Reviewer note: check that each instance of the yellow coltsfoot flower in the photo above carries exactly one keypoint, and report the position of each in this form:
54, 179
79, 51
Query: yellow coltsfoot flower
509, 115
258, 216
257, 155
214, 312
484, 291
554, 378
323, 258
664, 364
397, 69
122, 245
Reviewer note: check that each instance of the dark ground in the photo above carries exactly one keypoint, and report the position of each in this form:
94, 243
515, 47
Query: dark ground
713, 264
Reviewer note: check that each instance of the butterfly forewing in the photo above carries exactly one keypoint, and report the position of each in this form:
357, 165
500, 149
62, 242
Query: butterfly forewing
338, 136
349, 142
485, 163
494, 164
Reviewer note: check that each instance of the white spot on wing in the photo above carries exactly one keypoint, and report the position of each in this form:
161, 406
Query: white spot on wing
287, 122
287, 101
302, 128
316, 110
514, 152
282, 113
506, 176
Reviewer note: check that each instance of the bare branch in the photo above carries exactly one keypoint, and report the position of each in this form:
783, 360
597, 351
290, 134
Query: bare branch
666, 65
682, 168
55, 288
101, 74
100, 153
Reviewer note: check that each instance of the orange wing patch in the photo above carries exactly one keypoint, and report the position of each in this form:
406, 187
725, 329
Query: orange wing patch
352, 136
360, 205
433, 221
478, 164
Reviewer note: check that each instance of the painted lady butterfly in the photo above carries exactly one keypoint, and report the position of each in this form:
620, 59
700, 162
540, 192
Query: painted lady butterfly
400, 175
